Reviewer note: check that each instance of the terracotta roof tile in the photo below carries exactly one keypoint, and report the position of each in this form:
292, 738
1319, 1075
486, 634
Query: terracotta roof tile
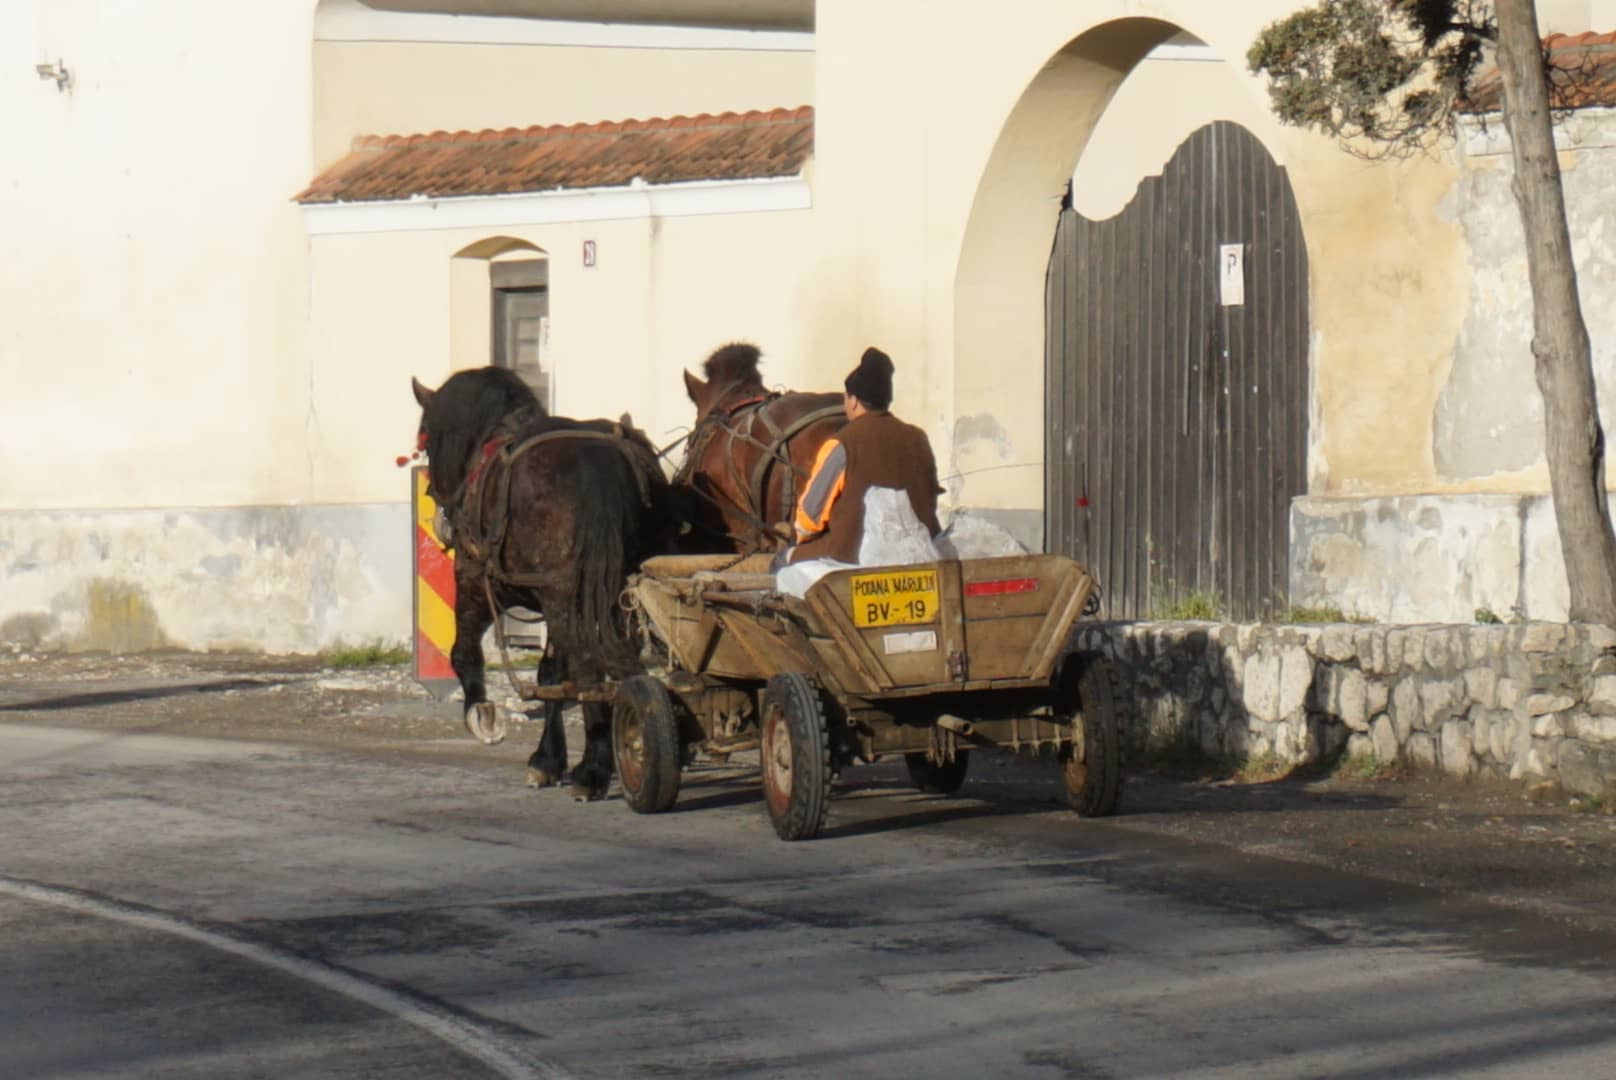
1583, 76
670, 150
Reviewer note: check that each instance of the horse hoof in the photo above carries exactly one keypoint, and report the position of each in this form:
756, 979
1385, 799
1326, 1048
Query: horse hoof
540, 779
486, 724
582, 792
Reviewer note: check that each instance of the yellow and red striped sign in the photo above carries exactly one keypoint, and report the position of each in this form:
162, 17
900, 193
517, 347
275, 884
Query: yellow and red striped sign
434, 595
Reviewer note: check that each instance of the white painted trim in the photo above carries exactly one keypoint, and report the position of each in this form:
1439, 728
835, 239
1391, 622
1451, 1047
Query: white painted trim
349, 20
553, 207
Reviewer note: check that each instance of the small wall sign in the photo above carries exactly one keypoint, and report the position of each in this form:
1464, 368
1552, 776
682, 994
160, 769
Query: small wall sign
1231, 274
589, 253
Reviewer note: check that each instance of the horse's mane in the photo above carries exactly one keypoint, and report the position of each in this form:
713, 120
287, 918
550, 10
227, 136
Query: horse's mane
463, 413
735, 364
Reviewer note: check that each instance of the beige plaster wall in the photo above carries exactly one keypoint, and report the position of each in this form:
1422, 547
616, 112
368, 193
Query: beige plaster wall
663, 294
384, 88
154, 293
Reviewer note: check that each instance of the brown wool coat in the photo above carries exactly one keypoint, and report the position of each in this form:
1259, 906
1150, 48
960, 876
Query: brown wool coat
882, 451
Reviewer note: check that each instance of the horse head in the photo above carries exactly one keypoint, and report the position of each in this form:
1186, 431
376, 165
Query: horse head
731, 372
459, 417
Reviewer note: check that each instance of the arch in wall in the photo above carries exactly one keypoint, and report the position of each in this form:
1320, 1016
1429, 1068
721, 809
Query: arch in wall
499, 297
1000, 284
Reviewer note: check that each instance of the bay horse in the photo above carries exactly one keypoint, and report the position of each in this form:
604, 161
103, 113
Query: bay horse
551, 514
749, 455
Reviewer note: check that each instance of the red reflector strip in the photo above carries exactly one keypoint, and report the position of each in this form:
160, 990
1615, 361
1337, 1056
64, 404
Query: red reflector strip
1001, 588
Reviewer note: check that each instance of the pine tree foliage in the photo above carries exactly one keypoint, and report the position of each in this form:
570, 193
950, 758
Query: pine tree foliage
1385, 77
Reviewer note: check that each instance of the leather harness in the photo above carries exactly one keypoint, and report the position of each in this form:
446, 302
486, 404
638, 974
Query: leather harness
739, 422
497, 456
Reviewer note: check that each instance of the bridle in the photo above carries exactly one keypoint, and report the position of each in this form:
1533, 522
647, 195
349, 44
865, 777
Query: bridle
738, 422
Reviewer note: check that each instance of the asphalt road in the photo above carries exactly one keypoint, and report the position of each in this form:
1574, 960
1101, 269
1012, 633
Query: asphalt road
193, 906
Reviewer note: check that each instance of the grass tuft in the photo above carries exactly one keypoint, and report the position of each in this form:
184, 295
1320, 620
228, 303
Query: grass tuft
375, 653
1198, 605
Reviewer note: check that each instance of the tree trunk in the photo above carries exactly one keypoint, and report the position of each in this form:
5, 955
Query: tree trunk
1563, 362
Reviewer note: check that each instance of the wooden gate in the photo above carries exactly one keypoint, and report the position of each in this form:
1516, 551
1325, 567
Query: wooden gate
1176, 417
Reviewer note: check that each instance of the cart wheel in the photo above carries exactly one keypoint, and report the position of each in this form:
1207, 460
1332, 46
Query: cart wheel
795, 756
936, 779
645, 742
1092, 767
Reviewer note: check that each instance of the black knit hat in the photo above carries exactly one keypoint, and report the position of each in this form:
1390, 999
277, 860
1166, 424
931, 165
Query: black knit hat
871, 381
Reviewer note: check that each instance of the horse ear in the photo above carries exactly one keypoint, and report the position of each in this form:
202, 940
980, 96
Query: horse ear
626, 420
694, 387
423, 396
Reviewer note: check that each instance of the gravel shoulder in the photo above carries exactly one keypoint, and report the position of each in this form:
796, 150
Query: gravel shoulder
1531, 850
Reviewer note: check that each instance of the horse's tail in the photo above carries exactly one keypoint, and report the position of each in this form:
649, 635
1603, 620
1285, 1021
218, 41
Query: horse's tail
607, 534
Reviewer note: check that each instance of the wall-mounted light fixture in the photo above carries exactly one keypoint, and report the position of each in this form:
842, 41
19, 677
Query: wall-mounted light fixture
57, 72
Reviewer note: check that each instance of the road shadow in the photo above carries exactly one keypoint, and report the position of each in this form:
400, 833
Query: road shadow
96, 699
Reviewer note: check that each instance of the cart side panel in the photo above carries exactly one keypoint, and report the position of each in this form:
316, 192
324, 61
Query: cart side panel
997, 618
691, 631
1019, 611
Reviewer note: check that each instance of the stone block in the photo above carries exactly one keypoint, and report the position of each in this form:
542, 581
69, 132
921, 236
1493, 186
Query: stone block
1456, 757
1377, 654
1421, 750
1510, 692
1295, 680
1476, 642
1336, 643
1378, 695
1600, 638
1602, 692
1383, 734
1501, 735
1352, 699
1261, 681
1543, 704
1550, 726
1593, 729
1481, 686
1360, 746
1542, 637
1437, 651
1581, 770
1441, 699
1414, 649
1406, 708
1394, 650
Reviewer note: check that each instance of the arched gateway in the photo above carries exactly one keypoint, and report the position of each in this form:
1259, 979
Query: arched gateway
1176, 392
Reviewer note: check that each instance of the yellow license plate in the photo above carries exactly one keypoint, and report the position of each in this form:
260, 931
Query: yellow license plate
895, 598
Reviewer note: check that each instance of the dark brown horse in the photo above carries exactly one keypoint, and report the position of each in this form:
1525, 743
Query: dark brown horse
749, 454
550, 514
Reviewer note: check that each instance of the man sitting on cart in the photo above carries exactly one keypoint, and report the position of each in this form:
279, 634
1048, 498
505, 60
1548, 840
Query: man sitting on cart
872, 497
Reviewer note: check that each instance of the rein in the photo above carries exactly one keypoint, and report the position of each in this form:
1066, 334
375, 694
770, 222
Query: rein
503, 451
728, 420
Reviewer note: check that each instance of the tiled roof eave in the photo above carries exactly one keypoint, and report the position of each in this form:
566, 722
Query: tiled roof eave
728, 147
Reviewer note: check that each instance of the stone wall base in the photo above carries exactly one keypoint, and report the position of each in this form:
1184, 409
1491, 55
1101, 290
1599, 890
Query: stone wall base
1532, 701
277, 578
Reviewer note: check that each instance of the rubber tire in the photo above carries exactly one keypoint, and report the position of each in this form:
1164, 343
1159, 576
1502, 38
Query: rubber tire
795, 757
645, 744
1094, 784
938, 779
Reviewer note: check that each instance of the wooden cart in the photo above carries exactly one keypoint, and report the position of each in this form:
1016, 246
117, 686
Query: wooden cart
926, 661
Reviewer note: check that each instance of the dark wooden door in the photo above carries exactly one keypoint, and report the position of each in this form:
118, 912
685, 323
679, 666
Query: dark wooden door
1177, 421
521, 297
